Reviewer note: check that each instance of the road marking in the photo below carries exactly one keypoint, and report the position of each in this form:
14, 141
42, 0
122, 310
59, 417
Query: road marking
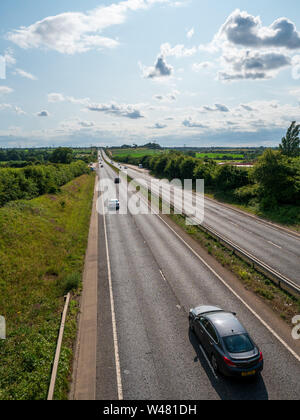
272, 243
208, 362
162, 274
113, 315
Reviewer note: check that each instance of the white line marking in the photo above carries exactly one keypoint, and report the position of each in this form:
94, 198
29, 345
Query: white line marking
162, 274
208, 362
113, 315
272, 243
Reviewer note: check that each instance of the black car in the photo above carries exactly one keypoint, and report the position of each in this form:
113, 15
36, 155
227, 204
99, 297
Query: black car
228, 345
117, 180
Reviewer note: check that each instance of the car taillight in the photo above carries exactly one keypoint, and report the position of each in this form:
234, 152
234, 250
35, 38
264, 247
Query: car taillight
260, 357
229, 362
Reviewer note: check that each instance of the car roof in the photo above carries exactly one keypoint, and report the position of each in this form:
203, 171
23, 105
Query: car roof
114, 199
226, 323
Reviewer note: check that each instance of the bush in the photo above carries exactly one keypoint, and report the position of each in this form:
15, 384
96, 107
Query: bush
70, 282
32, 181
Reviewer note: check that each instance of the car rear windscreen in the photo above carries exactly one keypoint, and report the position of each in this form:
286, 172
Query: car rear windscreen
238, 343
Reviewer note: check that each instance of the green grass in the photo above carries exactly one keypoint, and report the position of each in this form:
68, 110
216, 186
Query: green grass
233, 156
134, 152
42, 249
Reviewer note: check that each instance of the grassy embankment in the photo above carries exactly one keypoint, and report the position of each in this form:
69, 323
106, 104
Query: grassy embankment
42, 250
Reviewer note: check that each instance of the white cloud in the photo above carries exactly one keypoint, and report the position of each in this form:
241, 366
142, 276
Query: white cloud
251, 51
25, 74
5, 90
161, 69
11, 107
178, 51
128, 111
196, 67
170, 97
245, 64
56, 97
245, 30
190, 33
75, 32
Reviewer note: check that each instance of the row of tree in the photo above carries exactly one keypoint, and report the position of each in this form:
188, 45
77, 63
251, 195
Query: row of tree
32, 181
23, 157
274, 180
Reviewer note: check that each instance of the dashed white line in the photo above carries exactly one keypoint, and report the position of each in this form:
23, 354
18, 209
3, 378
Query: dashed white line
272, 243
113, 315
162, 274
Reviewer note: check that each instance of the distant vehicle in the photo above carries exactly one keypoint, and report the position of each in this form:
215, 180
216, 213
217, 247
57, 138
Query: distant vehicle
125, 167
226, 342
140, 166
101, 166
117, 180
114, 204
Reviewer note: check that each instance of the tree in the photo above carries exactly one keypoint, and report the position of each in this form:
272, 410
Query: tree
291, 142
276, 176
62, 155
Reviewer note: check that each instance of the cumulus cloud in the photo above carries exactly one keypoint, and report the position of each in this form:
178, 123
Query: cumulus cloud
189, 123
243, 29
252, 51
43, 113
161, 69
216, 108
252, 65
75, 32
127, 111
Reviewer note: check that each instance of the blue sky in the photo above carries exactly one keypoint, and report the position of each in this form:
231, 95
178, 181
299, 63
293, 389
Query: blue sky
200, 73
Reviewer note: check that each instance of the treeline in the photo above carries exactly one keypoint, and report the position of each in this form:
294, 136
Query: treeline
274, 180
19, 158
32, 181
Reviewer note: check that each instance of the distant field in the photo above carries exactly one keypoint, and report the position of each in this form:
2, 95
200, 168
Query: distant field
142, 152
135, 152
232, 156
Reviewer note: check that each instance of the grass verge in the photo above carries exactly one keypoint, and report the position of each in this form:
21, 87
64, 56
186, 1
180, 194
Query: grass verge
42, 249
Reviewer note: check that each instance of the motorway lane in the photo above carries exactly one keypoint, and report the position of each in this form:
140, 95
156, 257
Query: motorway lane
158, 357
278, 249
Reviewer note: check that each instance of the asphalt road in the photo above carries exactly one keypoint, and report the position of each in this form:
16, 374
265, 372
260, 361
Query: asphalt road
274, 247
155, 280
